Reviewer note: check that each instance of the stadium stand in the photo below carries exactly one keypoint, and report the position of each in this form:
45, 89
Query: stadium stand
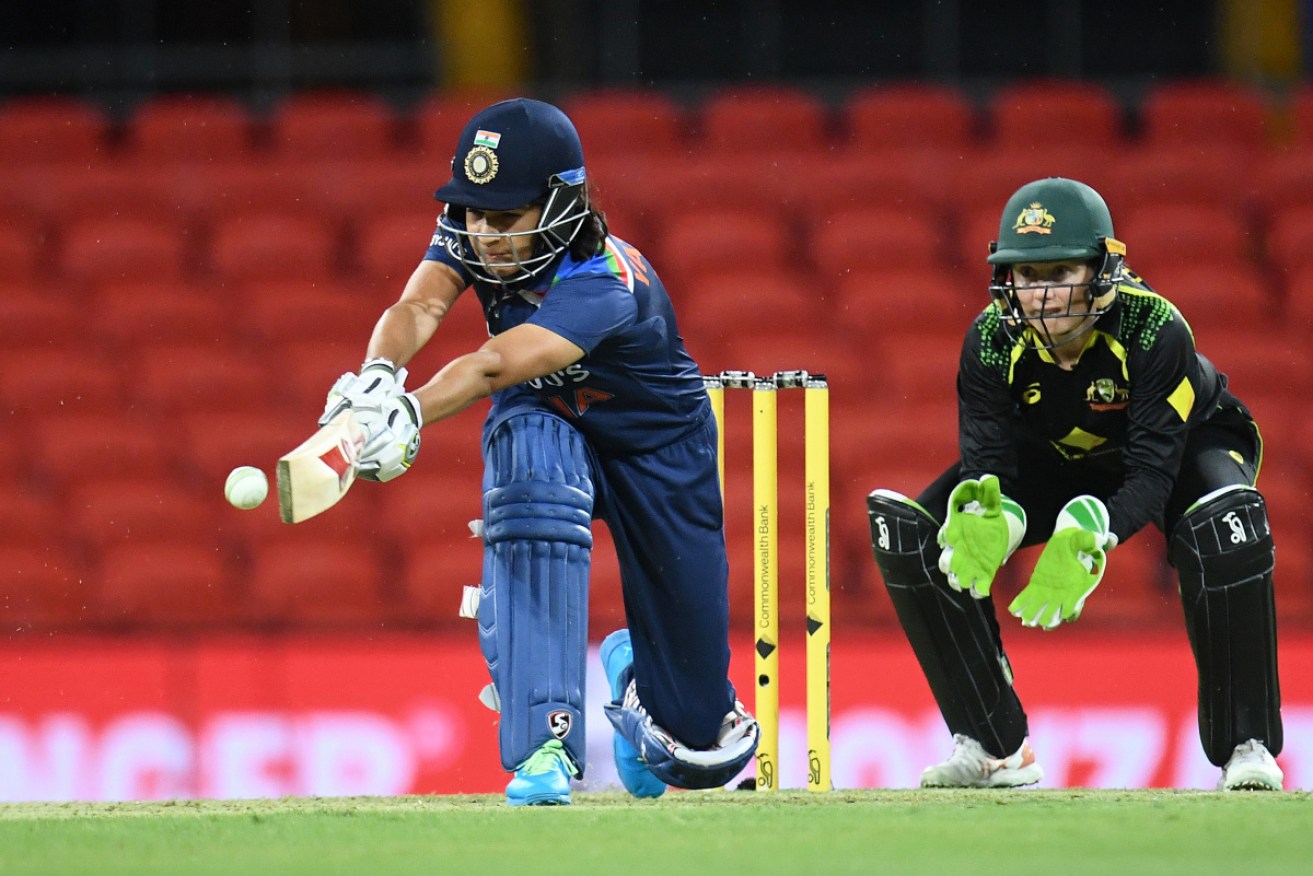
189, 129
909, 116
622, 121
41, 130
1204, 112
1060, 112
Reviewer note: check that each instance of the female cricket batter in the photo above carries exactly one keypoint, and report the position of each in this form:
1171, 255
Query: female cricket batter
597, 411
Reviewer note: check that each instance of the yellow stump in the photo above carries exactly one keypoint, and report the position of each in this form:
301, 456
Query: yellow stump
765, 492
817, 473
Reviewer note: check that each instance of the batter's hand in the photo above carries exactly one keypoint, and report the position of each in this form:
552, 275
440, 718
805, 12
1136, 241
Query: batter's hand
392, 438
378, 381
1069, 568
978, 535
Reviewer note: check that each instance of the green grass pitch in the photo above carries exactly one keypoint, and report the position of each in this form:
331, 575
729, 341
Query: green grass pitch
1055, 833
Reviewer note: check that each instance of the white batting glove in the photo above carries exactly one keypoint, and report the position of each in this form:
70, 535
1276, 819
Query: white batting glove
378, 381
392, 438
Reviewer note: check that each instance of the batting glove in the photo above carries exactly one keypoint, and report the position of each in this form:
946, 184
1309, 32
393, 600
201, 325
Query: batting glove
392, 438
378, 381
1069, 568
981, 531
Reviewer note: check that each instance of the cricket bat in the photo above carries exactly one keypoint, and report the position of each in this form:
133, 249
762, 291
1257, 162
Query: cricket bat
316, 475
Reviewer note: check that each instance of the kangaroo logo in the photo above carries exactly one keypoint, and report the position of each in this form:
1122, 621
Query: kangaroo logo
1232, 520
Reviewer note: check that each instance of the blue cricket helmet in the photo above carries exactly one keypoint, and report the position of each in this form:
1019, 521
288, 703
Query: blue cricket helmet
512, 154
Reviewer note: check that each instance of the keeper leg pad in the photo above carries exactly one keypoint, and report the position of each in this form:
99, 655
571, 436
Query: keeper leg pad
1223, 553
955, 636
533, 606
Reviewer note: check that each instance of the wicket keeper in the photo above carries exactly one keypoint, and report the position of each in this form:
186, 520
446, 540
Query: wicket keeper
1085, 413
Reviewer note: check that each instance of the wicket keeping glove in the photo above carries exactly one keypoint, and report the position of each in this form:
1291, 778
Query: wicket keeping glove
1069, 568
378, 380
981, 531
391, 438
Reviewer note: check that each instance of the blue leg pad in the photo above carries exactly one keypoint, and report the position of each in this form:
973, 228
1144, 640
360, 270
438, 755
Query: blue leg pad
618, 662
533, 612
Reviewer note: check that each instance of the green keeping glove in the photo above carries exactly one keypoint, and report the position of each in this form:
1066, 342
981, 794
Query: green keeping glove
982, 529
1069, 568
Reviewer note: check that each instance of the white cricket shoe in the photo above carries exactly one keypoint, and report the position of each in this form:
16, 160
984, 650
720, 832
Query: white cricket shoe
1251, 768
970, 766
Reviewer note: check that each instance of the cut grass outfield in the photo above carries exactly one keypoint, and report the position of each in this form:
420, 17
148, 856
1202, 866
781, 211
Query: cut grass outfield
870, 831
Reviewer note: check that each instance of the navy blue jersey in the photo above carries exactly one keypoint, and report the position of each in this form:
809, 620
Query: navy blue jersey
636, 388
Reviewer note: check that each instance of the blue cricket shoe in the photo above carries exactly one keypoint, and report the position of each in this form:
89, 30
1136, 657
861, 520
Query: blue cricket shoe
544, 778
617, 657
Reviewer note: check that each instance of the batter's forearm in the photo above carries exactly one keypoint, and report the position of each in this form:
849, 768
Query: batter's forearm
401, 332
460, 384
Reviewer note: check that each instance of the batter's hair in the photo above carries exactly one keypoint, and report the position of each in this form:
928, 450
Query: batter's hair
591, 237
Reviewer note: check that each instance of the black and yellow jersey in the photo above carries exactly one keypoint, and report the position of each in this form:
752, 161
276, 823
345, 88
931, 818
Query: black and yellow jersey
1124, 408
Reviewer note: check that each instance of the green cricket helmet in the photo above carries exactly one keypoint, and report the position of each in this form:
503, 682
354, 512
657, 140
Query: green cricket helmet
1055, 220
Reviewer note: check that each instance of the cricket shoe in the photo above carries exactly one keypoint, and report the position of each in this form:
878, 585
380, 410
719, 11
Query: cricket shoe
1251, 768
970, 766
617, 656
544, 778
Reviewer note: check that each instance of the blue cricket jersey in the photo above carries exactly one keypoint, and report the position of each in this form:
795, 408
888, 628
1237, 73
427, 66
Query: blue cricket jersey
636, 388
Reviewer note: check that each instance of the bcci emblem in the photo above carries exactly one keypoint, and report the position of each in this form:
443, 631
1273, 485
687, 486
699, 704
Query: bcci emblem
481, 165
1033, 220
559, 723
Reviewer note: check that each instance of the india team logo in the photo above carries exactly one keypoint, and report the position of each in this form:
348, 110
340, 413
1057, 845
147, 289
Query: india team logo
1034, 220
481, 164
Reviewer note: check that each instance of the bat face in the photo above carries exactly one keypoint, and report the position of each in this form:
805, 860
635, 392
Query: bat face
316, 475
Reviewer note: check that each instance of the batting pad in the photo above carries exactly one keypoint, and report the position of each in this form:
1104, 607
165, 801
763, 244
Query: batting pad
533, 607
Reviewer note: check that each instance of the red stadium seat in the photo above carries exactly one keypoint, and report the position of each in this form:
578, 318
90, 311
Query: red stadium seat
71, 447
764, 118
625, 121
173, 377
22, 249
312, 125
96, 250
439, 117
132, 315
1289, 245
33, 320
914, 116
1259, 362
189, 129
280, 312
61, 380
215, 442
728, 302
872, 237
872, 303
1157, 235
1283, 180
40, 130
1182, 175
167, 584
989, 178
921, 365
304, 579
44, 589
1298, 300
917, 181
274, 246
722, 240
32, 518
1204, 112
1061, 112
1217, 293
113, 507
368, 190
223, 192
1137, 587
390, 246
436, 569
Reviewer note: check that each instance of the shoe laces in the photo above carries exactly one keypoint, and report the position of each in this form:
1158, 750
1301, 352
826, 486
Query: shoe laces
546, 759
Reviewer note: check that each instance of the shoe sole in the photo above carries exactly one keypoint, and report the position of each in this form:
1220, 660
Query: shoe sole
541, 800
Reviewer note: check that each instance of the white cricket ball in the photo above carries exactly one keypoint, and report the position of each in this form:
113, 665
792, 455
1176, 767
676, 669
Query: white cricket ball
246, 487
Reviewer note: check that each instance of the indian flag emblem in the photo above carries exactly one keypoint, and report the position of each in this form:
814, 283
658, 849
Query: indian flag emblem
487, 138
